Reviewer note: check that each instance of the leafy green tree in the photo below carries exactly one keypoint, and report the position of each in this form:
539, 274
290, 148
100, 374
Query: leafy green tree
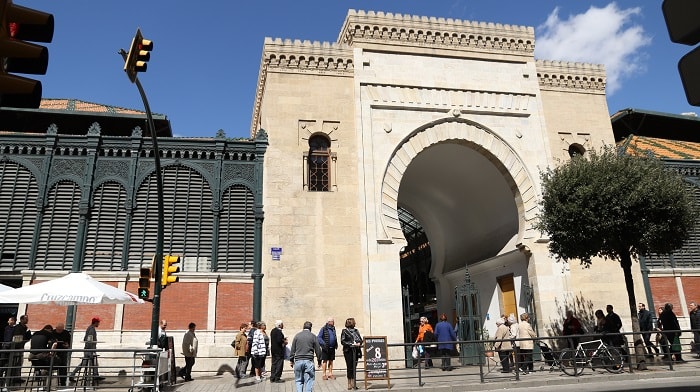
615, 206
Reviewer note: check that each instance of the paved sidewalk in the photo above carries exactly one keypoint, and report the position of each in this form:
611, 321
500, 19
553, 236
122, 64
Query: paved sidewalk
461, 379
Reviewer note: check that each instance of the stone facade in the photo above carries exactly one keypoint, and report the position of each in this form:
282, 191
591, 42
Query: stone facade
392, 91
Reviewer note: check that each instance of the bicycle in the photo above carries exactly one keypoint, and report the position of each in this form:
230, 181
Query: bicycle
573, 361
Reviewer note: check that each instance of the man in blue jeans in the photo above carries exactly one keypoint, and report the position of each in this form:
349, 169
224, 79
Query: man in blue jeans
304, 346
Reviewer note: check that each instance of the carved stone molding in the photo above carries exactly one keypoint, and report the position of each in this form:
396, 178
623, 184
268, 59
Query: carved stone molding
455, 99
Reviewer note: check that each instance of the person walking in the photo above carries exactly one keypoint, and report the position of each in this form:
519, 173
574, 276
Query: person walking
671, 330
423, 327
328, 339
445, 335
646, 325
240, 350
259, 350
189, 351
89, 361
304, 347
351, 340
525, 331
277, 345
503, 345
571, 328
694, 315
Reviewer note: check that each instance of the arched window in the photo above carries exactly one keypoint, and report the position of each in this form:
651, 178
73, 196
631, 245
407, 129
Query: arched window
319, 159
576, 149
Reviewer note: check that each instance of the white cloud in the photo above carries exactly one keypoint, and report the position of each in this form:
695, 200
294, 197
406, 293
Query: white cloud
599, 36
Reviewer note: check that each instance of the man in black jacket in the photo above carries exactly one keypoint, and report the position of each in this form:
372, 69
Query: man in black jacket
645, 326
20, 336
277, 344
62, 339
613, 324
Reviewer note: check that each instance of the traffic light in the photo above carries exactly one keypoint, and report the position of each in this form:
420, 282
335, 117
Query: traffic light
138, 56
144, 283
683, 24
19, 24
169, 269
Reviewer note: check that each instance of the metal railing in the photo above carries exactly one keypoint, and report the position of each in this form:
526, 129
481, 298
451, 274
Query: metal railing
83, 369
123, 369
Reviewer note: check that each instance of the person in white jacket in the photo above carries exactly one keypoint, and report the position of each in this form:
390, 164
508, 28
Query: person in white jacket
259, 350
525, 331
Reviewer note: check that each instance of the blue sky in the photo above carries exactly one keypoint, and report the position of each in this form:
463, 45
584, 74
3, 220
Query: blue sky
204, 67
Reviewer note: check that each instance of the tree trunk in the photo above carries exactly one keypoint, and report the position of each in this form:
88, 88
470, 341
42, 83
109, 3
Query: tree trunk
639, 357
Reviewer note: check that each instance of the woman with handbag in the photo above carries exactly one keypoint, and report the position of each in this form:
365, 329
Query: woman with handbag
351, 341
423, 327
671, 330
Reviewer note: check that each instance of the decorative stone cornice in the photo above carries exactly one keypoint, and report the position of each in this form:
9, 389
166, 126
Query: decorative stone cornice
296, 56
306, 56
457, 99
431, 32
565, 76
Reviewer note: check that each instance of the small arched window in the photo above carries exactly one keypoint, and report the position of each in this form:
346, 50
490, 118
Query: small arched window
576, 149
319, 163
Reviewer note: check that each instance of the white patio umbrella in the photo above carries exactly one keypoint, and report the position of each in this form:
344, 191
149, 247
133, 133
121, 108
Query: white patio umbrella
4, 287
76, 288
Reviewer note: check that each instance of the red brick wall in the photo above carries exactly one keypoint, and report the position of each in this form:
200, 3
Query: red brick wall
664, 290
181, 303
691, 288
234, 305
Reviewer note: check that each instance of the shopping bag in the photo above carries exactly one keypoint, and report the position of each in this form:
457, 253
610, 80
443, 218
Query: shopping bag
676, 345
415, 353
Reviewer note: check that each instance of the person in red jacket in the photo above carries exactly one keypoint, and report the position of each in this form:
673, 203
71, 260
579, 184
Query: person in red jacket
572, 326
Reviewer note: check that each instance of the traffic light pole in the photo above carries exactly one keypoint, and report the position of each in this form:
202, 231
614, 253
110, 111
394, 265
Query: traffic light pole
158, 264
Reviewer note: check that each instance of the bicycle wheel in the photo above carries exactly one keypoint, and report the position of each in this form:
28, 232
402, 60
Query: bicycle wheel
611, 359
571, 362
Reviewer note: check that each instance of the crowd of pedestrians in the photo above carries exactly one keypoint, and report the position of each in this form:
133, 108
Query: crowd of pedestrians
252, 346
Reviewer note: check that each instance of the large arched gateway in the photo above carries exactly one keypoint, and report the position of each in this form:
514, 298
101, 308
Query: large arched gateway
405, 159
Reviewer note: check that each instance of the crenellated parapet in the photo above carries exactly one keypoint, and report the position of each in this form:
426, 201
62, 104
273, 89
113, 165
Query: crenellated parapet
306, 56
566, 76
296, 56
430, 32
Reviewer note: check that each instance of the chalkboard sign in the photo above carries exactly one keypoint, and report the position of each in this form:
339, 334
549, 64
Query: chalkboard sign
376, 359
